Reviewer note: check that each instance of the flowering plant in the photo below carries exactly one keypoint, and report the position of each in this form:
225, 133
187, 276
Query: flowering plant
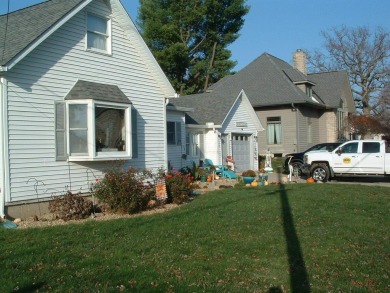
179, 186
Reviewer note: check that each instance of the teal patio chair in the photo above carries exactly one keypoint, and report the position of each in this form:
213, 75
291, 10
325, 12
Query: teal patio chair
220, 170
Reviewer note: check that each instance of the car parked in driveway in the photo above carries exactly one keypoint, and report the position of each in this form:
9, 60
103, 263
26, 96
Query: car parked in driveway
297, 158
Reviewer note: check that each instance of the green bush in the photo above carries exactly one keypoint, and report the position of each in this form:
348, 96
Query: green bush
70, 207
125, 191
179, 186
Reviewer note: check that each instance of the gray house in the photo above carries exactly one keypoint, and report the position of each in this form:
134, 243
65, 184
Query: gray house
297, 109
78, 89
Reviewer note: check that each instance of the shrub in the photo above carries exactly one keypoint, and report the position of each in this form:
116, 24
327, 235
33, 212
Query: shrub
179, 186
249, 173
125, 191
70, 207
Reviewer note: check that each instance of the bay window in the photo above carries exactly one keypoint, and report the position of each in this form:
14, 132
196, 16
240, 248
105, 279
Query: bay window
95, 122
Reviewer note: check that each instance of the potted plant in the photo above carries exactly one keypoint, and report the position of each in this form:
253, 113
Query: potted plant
248, 176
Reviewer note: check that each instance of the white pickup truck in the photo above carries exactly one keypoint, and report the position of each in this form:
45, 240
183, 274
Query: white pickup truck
352, 158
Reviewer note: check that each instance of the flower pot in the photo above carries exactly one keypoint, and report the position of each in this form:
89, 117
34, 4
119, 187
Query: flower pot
248, 180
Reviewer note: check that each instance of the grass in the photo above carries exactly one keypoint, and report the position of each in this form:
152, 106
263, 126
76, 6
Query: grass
288, 238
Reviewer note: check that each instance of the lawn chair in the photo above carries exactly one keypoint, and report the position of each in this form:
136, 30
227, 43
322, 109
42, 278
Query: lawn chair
220, 170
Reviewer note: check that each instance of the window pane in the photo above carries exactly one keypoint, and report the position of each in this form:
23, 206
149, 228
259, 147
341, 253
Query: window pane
371, 147
78, 117
96, 41
350, 148
97, 24
110, 129
171, 132
78, 141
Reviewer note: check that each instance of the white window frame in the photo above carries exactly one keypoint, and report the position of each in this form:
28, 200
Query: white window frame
192, 144
92, 154
106, 35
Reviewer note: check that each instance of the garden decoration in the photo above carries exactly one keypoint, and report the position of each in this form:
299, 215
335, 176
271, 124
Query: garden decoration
268, 165
248, 176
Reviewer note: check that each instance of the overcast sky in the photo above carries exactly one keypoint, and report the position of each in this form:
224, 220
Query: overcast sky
279, 27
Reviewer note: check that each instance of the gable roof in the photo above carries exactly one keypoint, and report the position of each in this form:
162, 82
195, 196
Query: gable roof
212, 107
21, 28
268, 81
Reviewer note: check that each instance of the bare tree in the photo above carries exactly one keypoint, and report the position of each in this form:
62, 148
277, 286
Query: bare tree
364, 55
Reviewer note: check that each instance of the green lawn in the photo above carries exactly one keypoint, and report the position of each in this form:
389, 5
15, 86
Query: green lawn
288, 238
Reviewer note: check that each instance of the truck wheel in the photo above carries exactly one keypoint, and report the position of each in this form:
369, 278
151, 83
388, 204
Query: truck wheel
320, 172
297, 166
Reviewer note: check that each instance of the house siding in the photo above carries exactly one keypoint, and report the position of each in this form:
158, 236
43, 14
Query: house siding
45, 76
306, 114
289, 130
328, 126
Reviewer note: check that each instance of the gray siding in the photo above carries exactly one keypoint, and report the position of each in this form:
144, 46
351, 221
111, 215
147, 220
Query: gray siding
305, 115
289, 130
45, 76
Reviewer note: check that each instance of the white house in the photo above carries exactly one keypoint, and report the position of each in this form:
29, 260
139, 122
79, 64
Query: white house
217, 127
78, 89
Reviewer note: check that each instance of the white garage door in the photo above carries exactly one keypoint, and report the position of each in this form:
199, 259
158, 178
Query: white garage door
241, 152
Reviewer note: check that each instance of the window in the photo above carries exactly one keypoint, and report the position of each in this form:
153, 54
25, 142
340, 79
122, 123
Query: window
95, 130
110, 129
192, 144
309, 91
98, 33
174, 133
98, 128
350, 148
371, 147
274, 130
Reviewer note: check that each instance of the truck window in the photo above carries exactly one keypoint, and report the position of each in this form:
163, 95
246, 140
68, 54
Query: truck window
350, 148
371, 147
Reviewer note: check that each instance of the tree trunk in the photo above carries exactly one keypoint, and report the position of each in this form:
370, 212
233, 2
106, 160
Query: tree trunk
206, 82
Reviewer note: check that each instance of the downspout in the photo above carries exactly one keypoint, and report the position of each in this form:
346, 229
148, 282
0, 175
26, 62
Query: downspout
165, 145
294, 109
3, 157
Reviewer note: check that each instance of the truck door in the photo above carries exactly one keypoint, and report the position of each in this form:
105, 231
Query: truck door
346, 158
372, 160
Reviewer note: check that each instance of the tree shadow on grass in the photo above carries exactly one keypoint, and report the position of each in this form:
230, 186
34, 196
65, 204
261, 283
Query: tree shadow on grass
299, 279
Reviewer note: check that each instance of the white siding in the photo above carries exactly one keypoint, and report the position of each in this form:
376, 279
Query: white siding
239, 113
45, 76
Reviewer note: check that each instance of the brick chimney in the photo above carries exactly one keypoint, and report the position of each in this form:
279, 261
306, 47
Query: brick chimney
299, 60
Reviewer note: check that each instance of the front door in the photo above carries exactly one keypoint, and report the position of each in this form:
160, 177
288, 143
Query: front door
241, 152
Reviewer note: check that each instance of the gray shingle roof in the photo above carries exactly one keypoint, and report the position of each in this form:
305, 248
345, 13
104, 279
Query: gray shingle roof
208, 107
330, 86
97, 91
267, 81
22, 27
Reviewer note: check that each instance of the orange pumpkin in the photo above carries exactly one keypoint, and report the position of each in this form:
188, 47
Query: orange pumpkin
310, 180
209, 179
254, 184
